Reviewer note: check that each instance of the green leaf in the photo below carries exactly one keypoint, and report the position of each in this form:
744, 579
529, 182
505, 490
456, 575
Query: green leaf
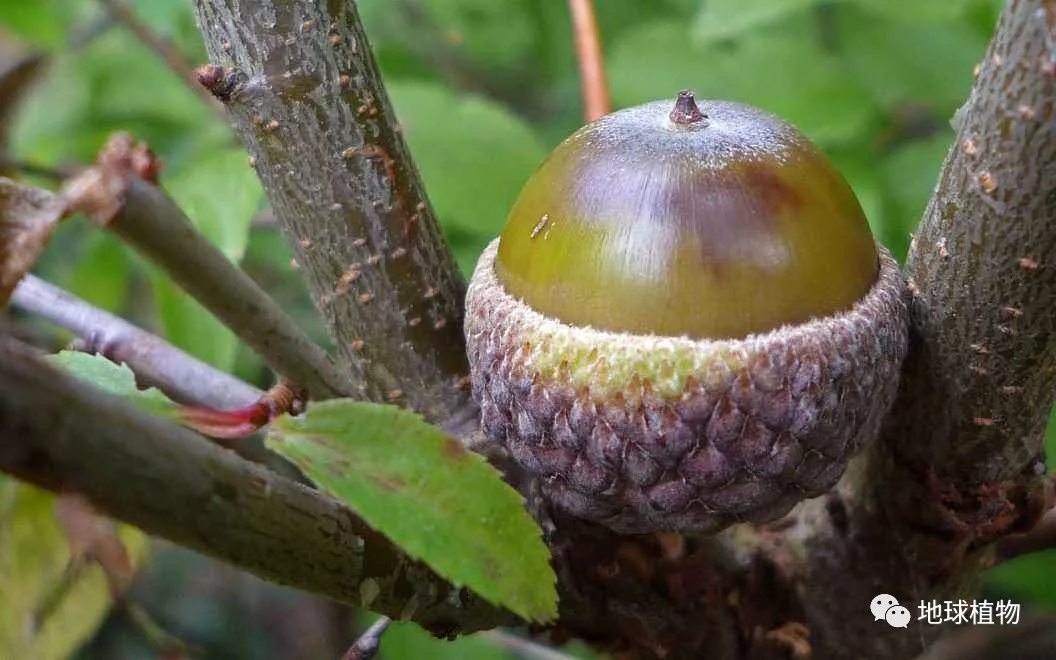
115, 379
819, 96
464, 35
220, 193
473, 155
174, 21
1027, 578
86, 95
47, 609
421, 488
917, 11
53, 124
903, 63
101, 271
722, 19
908, 176
42, 23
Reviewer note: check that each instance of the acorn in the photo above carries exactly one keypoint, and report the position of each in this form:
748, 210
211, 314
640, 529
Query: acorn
686, 321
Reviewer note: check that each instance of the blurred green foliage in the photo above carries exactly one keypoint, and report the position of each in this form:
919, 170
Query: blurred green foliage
484, 88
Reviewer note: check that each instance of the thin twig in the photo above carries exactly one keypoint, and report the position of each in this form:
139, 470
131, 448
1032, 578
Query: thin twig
172, 58
119, 193
152, 223
154, 361
523, 647
591, 61
366, 647
65, 435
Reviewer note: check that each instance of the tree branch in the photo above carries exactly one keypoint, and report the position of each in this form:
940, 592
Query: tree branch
967, 432
154, 361
960, 462
155, 226
983, 376
64, 435
304, 91
118, 193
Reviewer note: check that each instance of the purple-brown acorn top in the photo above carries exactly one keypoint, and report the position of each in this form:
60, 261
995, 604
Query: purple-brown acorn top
686, 321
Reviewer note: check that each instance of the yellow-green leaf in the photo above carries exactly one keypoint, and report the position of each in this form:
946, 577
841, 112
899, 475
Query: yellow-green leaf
48, 606
115, 379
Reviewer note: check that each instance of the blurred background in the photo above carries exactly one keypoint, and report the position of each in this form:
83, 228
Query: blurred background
484, 89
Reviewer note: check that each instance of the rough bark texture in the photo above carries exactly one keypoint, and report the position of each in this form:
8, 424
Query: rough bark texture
960, 462
307, 100
985, 273
66, 436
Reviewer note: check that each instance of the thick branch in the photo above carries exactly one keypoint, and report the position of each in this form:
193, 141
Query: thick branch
967, 431
960, 463
307, 100
154, 361
983, 377
66, 436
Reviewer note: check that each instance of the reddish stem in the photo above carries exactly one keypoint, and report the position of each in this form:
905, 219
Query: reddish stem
591, 63
233, 424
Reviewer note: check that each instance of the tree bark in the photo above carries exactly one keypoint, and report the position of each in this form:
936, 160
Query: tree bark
960, 463
307, 100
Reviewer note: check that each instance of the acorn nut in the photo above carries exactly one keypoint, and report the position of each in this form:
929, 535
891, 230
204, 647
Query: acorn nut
686, 322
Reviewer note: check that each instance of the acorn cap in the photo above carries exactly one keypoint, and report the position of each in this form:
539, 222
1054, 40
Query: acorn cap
702, 423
